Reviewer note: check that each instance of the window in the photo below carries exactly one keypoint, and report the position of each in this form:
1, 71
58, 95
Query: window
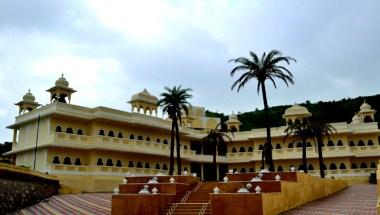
363, 165
101, 132
166, 142
280, 169
139, 137
299, 145
109, 162
373, 165
261, 147
333, 166
158, 166
242, 149
80, 132
158, 140
324, 167
300, 167
56, 160
342, 166
100, 162
278, 146
330, 143
120, 135
139, 165
250, 149
164, 167
58, 129
290, 145
243, 170
233, 150
131, 137
118, 163
111, 134
67, 161
130, 164
340, 143
308, 144
352, 143
361, 143
147, 166
310, 167
69, 130
354, 166
147, 138
251, 169
185, 147
370, 143
77, 162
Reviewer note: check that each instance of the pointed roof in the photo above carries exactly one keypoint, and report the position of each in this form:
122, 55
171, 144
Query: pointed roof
144, 96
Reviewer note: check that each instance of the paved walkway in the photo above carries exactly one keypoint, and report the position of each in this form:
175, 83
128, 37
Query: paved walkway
355, 200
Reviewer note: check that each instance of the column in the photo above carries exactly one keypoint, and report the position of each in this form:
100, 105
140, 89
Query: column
202, 173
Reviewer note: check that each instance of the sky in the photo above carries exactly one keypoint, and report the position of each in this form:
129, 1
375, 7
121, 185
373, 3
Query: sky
110, 50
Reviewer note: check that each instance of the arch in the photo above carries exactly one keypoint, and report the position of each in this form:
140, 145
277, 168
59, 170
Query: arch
67, 161
185, 147
333, 166
340, 143
352, 143
300, 167
109, 162
278, 146
243, 170
361, 143
69, 130
166, 142
251, 169
139, 164
80, 132
368, 119
118, 163
147, 165
370, 143
291, 165
58, 129
131, 137
299, 145
120, 135
280, 169
373, 165
261, 147
354, 166
235, 170
324, 166
308, 144
100, 162
233, 129
130, 164
111, 134
158, 140
250, 149
310, 167
165, 167
77, 162
56, 160
330, 143
147, 139
101, 132
139, 137
242, 149
290, 145
363, 165
342, 166
233, 150
158, 166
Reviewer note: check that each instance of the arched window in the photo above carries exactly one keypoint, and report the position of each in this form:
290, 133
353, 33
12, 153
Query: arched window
56, 160
280, 169
308, 144
250, 149
101, 132
100, 162
130, 164
251, 169
340, 143
352, 143
300, 167
278, 146
67, 161
139, 164
368, 119
290, 145
147, 165
354, 166
235, 170
324, 166
291, 166
158, 140
109, 162
120, 135
370, 143
69, 130
118, 163
58, 129
373, 165
299, 145
361, 143
363, 165
111, 134
185, 147
158, 166
166, 142
139, 137
242, 149
310, 167
333, 166
80, 132
243, 170
330, 143
164, 167
261, 147
131, 137
77, 162
342, 166
233, 150
378, 140
233, 129
147, 138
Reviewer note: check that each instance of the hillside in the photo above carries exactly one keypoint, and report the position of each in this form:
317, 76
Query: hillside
330, 111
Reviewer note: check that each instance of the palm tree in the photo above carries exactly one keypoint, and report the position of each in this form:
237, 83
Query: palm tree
300, 130
216, 139
265, 68
173, 101
319, 130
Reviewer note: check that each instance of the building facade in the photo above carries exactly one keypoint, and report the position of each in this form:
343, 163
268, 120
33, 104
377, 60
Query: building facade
90, 149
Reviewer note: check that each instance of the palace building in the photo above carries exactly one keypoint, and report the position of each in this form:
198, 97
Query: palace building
91, 149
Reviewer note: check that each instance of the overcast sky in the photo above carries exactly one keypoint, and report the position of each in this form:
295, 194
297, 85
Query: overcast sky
110, 50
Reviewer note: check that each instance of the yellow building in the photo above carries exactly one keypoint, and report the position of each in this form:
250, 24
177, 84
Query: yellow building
90, 149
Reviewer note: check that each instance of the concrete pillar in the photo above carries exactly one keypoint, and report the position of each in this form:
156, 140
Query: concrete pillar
217, 172
202, 173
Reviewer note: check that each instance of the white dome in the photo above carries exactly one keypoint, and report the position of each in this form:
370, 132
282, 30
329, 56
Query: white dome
365, 106
28, 97
296, 110
144, 96
62, 82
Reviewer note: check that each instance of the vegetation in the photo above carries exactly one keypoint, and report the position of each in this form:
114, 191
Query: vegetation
6, 147
173, 101
215, 139
263, 69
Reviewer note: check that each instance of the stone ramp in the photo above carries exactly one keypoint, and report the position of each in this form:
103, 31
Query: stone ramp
354, 200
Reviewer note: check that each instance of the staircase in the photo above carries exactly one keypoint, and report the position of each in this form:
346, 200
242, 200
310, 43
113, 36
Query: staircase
195, 202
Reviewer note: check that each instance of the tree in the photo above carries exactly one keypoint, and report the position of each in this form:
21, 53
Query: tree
319, 130
173, 101
216, 138
265, 68
300, 130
